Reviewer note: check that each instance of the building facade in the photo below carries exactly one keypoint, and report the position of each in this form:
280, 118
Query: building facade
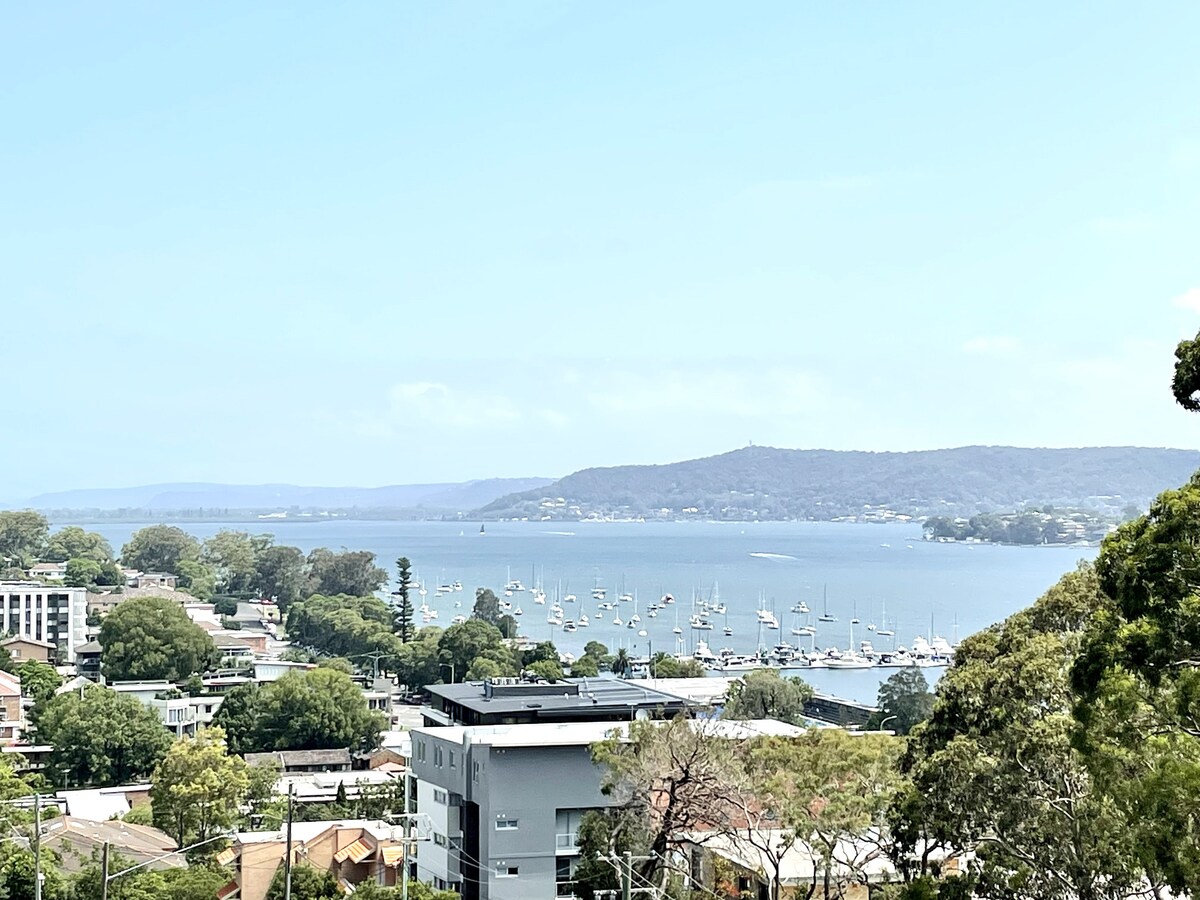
57, 615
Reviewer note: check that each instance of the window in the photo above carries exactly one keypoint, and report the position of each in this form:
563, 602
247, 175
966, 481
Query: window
421, 751
439, 839
439, 797
475, 770
437, 756
506, 871
452, 765
507, 824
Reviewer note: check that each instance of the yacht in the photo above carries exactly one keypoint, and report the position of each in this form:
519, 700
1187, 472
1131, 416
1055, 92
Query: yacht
699, 623
583, 621
825, 616
569, 625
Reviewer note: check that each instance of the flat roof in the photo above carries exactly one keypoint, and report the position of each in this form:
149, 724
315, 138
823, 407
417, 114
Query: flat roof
569, 694
567, 734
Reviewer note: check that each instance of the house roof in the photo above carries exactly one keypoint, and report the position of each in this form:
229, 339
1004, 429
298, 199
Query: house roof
75, 839
582, 697
287, 758
10, 685
23, 639
565, 734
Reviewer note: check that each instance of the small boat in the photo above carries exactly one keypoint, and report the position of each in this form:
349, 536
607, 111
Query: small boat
458, 620
583, 621
481, 529
825, 616
569, 625
518, 611
457, 586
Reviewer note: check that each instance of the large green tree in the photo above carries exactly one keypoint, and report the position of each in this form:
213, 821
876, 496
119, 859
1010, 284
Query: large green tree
313, 710
351, 572
405, 629
765, 694
159, 548
280, 575
198, 787
233, 556
238, 717
23, 536
904, 702
460, 646
147, 638
72, 542
353, 627
100, 738
994, 769
418, 662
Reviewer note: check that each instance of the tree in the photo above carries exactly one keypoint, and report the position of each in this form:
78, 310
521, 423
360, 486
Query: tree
994, 768
461, 645
81, 572
237, 717
622, 665
18, 871
197, 788
100, 738
343, 626
197, 578
23, 536
146, 638
280, 575
765, 694
487, 607
233, 556
38, 680
403, 623
351, 572
72, 542
307, 884
904, 702
160, 548
314, 710
418, 662
585, 667
832, 790
663, 665
1185, 384
547, 669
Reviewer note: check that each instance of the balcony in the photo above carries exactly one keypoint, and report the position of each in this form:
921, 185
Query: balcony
566, 844
565, 890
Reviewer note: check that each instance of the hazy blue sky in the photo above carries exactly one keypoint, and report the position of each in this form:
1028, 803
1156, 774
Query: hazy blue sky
379, 242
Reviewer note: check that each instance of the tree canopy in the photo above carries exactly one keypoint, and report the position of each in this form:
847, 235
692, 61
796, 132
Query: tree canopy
904, 701
351, 572
23, 536
160, 548
197, 787
146, 638
765, 694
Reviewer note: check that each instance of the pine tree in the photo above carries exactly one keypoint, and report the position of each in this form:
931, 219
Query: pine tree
404, 627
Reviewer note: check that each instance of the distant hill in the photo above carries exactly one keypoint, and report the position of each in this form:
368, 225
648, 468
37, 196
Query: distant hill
461, 496
771, 483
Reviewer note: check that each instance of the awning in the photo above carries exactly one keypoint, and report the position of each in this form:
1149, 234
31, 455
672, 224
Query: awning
231, 890
226, 856
393, 856
356, 852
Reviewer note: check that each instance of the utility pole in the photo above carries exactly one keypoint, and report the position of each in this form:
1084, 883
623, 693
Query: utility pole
287, 859
104, 872
627, 876
37, 847
404, 839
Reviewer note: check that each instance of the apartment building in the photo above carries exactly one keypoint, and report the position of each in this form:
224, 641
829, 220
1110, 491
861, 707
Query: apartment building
42, 612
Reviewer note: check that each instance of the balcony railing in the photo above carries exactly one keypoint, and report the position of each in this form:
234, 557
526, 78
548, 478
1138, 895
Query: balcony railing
567, 843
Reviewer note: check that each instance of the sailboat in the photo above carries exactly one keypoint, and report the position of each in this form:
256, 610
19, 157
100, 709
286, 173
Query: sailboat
883, 630
825, 616
481, 531
854, 619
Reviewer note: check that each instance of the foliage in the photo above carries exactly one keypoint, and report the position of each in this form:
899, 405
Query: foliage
160, 548
197, 787
233, 557
152, 637
72, 542
343, 626
403, 618
100, 738
351, 572
39, 680
313, 710
621, 665
197, 579
308, 883
18, 871
904, 702
994, 767
198, 882
585, 667
225, 606
23, 536
462, 645
663, 665
487, 607
765, 694
601, 833
1138, 679
81, 572
1185, 384
280, 575
547, 669
418, 662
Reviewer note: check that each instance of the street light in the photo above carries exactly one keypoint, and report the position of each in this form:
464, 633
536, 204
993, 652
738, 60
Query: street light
884, 722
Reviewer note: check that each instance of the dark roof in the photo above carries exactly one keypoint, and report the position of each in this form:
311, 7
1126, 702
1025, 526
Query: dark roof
584, 697
228, 640
287, 758
89, 647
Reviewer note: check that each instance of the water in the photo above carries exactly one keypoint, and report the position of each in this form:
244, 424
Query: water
927, 587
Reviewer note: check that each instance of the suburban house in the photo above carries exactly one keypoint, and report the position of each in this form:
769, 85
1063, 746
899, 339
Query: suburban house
178, 713
49, 571
22, 649
12, 717
153, 579
78, 841
298, 761
515, 701
57, 615
353, 851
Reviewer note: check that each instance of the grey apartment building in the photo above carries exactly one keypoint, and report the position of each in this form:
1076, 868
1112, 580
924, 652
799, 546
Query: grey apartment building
505, 802
55, 614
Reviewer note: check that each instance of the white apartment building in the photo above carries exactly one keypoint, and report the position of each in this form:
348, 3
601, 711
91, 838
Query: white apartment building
45, 613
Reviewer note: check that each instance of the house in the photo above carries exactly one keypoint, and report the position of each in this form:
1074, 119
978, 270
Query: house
353, 851
294, 761
22, 649
178, 713
87, 660
49, 571
78, 842
12, 717
153, 579
57, 615
505, 801
102, 804
233, 649
323, 787
514, 701
274, 669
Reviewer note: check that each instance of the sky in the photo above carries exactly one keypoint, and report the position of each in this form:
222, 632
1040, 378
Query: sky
383, 243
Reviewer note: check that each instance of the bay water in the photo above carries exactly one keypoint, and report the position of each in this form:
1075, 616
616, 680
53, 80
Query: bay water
926, 588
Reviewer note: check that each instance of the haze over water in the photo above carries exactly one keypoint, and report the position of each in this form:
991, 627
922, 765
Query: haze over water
977, 584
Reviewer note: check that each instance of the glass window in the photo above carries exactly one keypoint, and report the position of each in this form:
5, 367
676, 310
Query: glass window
507, 824
506, 871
